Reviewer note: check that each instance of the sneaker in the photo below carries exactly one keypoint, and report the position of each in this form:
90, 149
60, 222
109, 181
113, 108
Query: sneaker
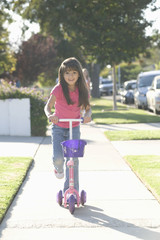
58, 175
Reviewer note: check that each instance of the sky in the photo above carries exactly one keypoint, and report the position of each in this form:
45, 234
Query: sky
16, 33
153, 16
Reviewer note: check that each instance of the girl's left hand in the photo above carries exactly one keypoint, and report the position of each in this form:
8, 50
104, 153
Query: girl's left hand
87, 119
87, 116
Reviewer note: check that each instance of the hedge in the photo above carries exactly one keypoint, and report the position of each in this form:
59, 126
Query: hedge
39, 121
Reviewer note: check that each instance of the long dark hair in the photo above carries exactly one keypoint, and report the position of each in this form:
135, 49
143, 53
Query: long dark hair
68, 65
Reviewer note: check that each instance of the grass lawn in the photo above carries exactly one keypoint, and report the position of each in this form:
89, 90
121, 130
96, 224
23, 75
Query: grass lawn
147, 169
12, 173
133, 135
102, 113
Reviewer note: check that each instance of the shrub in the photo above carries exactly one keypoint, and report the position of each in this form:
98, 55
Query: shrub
38, 119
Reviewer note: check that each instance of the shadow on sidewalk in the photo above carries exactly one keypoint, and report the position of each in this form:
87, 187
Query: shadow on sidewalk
21, 139
96, 216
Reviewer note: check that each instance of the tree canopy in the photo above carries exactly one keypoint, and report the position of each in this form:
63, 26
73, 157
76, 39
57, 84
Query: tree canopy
107, 31
7, 61
35, 56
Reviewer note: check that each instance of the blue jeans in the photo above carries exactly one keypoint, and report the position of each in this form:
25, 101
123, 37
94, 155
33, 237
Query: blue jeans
59, 135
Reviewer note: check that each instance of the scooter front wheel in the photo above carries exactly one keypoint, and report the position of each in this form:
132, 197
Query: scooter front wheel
71, 202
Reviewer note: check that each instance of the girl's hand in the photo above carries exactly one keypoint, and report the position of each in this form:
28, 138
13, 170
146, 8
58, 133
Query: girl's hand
54, 119
86, 119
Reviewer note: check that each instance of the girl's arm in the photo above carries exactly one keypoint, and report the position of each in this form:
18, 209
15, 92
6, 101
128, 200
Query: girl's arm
87, 116
48, 109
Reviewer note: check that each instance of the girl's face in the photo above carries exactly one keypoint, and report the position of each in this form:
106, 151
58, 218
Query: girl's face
71, 77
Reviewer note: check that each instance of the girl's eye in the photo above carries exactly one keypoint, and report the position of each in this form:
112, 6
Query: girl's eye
71, 72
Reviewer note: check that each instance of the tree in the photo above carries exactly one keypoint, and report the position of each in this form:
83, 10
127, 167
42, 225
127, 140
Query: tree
129, 71
35, 56
7, 60
153, 58
107, 31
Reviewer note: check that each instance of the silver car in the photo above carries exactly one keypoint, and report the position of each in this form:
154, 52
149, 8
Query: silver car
126, 95
144, 82
106, 87
153, 95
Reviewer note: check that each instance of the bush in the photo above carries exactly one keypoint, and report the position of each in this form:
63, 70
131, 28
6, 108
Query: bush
38, 119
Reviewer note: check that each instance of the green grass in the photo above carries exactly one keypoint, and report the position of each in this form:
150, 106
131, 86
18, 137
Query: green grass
133, 135
12, 173
102, 113
147, 169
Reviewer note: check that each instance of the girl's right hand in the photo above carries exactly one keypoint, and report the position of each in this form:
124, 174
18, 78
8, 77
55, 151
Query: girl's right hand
54, 119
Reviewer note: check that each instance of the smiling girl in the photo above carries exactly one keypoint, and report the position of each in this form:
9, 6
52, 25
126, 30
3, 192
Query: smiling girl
69, 98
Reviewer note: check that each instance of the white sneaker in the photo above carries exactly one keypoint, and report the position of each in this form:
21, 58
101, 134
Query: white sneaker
58, 175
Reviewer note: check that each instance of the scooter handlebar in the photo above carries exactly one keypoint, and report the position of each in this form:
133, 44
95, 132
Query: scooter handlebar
70, 124
71, 120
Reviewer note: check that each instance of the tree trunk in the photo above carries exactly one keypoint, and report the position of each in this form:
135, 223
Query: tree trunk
95, 70
114, 87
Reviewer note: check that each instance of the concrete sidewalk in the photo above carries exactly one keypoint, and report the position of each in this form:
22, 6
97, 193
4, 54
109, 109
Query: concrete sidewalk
19, 146
118, 205
129, 126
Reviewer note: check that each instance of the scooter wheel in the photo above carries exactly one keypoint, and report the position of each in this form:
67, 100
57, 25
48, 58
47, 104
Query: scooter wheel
71, 202
83, 197
59, 197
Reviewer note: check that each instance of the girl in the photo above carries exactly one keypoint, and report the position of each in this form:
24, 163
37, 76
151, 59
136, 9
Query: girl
70, 98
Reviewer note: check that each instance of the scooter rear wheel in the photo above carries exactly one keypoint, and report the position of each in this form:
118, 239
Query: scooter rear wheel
59, 197
71, 202
83, 197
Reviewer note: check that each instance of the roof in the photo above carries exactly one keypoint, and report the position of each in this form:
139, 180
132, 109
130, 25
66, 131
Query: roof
155, 72
131, 81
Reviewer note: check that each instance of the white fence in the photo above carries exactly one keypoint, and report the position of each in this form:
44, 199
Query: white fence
15, 117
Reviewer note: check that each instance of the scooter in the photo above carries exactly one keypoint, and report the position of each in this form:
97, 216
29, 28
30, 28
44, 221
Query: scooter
72, 148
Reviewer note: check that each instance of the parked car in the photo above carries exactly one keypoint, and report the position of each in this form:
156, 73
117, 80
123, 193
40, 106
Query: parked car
127, 94
153, 95
144, 81
106, 87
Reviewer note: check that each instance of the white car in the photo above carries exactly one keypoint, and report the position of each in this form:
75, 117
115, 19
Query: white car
153, 95
144, 82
